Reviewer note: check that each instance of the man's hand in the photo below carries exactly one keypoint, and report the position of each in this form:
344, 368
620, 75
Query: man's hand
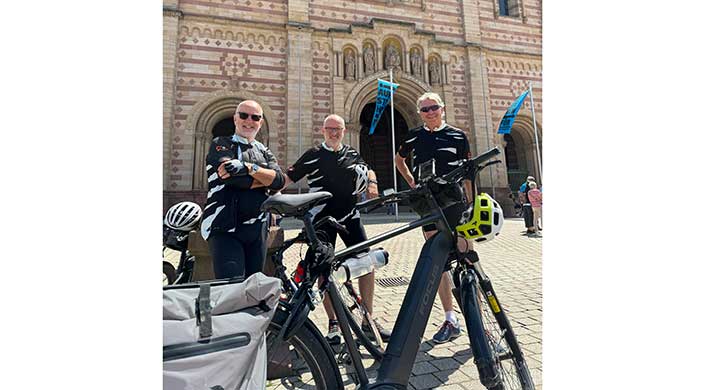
372, 191
232, 168
222, 173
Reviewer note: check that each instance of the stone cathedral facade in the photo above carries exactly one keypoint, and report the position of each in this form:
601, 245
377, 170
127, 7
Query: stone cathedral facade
305, 59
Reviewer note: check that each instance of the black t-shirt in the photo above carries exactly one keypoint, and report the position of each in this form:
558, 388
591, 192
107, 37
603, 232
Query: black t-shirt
447, 145
332, 171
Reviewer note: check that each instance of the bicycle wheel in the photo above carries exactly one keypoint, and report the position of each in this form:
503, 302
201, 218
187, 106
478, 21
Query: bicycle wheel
504, 346
305, 361
168, 273
357, 314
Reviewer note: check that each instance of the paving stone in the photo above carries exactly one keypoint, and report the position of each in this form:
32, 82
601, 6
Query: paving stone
451, 376
426, 381
423, 368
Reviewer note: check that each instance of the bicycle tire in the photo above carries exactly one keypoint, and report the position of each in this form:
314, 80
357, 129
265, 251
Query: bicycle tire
496, 353
303, 361
512, 365
357, 314
168, 273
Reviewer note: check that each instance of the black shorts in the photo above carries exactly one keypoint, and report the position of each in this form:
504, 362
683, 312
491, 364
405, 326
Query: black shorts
240, 253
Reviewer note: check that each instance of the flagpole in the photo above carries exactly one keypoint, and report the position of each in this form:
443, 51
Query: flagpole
536, 134
394, 172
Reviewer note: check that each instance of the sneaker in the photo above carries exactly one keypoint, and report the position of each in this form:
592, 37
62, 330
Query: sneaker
384, 333
333, 335
446, 333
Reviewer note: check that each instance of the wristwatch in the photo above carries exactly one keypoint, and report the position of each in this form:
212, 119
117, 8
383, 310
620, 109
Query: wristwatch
253, 169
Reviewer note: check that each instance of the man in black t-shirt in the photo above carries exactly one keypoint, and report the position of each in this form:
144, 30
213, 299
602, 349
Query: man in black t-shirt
338, 168
447, 145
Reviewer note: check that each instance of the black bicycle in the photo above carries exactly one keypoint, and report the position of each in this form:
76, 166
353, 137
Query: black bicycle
496, 351
177, 241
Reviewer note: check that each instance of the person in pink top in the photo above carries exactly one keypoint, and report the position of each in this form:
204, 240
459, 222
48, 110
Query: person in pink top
536, 200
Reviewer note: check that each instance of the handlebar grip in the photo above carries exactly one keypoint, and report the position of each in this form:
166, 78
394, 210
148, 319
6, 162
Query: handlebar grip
486, 155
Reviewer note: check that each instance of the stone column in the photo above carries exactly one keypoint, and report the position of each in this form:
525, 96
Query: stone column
359, 71
449, 101
336, 70
171, 16
298, 11
471, 22
406, 66
425, 71
380, 59
353, 133
300, 43
483, 134
199, 158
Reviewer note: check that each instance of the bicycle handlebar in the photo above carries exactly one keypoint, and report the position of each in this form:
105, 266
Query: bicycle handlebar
467, 169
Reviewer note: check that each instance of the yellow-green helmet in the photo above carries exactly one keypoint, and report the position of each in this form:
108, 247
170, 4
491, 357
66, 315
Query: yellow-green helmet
483, 220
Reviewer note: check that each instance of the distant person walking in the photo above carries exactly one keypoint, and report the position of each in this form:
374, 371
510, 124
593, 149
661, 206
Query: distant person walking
536, 200
526, 210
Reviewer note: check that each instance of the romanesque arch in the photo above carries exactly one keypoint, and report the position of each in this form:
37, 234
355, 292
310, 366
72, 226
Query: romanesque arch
211, 109
365, 91
524, 140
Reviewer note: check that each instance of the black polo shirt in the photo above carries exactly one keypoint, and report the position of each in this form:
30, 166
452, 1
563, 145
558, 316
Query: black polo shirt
447, 145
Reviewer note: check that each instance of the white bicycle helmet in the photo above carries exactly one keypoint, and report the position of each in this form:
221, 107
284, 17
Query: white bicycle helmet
183, 216
360, 178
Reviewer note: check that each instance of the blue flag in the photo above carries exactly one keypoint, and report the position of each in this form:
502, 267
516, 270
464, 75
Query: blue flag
384, 91
508, 119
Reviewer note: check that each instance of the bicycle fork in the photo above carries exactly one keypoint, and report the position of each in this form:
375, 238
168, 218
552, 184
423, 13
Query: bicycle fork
479, 343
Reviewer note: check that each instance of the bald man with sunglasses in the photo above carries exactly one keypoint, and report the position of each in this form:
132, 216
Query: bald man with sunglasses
242, 173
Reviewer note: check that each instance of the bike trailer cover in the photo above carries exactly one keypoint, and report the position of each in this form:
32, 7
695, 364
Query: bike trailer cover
214, 333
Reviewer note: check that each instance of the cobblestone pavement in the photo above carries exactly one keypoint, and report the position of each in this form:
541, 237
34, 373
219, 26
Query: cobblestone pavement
513, 263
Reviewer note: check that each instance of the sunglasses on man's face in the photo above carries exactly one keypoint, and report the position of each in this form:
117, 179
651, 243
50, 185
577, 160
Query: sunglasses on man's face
430, 108
244, 116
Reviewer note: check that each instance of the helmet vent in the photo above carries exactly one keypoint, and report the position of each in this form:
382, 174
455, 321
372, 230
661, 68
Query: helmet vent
484, 216
483, 202
485, 229
496, 218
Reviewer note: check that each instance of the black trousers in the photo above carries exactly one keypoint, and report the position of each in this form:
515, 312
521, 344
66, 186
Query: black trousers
239, 253
528, 214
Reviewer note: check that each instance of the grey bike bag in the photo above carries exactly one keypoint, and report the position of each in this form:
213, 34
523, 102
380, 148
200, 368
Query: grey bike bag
215, 333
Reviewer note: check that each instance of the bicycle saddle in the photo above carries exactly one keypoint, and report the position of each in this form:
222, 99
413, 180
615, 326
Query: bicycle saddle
293, 205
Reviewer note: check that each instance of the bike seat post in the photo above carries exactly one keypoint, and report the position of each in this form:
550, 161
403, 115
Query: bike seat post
310, 230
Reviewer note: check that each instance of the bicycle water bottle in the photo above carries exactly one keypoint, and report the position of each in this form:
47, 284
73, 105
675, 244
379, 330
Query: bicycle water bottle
361, 265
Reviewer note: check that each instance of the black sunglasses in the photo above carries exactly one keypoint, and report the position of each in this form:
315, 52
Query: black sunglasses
244, 116
430, 108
